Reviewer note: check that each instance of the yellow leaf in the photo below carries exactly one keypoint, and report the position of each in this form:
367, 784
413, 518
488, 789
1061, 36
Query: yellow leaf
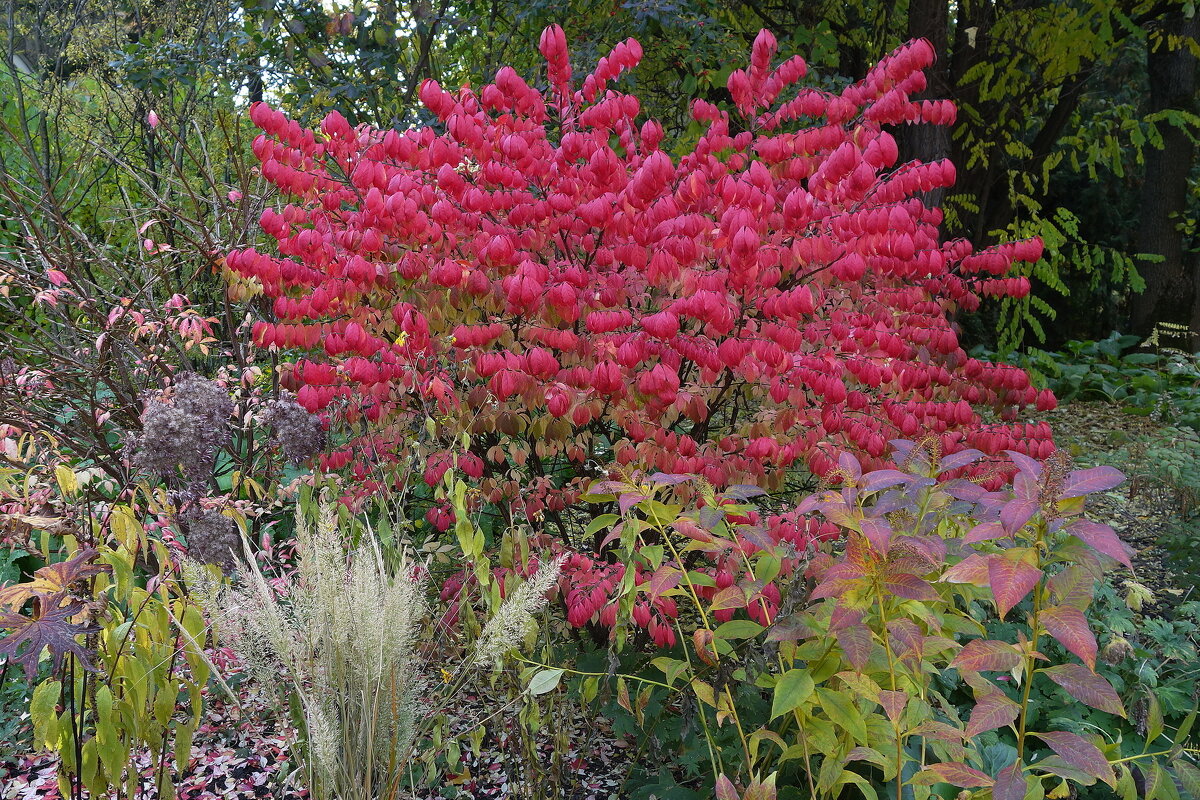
68, 484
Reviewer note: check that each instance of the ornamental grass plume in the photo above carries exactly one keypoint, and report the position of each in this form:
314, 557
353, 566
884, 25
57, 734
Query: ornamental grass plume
342, 646
506, 629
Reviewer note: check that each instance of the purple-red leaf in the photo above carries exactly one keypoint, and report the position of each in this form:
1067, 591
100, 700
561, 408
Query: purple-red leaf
909, 587
1011, 578
993, 710
987, 655
1081, 754
725, 789
973, 570
883, 479
1087, 481
742, 491
855, 641
1087, 687
1100, 538
878, 533
959, 774
960, 459
1069, 626
1025, 464
664, 578
1016, 513
984, 532
1010, 783
893, 703
727, 598
48, 627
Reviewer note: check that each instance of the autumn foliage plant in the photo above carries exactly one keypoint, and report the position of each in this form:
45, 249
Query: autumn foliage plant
539, 271
879, 660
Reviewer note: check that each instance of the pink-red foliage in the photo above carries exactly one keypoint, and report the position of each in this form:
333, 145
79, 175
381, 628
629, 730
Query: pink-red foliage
539, 271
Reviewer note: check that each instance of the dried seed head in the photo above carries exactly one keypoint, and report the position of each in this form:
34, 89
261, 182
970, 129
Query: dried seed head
212, 538
297, 433
183, 427
1116, 651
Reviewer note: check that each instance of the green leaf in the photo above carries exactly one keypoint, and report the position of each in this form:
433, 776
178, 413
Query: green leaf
793, 688
545, 680
738, 629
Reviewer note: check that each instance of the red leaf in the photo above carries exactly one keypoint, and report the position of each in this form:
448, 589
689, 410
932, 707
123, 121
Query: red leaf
959, 774
1011, 578
1100, 538
987, 654
1087, 481
1087, 687
1081, 754
994, 710
1010, 783
1069, 626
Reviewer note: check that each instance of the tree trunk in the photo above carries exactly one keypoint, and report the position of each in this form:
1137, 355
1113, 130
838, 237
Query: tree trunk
929, 19
1171, 289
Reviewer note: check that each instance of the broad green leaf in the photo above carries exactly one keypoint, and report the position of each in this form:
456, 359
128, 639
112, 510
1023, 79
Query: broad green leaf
794, 687
545, 680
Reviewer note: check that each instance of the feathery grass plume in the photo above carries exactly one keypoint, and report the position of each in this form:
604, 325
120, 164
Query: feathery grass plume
507, 628
342, 646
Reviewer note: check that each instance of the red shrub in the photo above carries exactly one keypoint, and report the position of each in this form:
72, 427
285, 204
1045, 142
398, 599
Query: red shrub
539, 272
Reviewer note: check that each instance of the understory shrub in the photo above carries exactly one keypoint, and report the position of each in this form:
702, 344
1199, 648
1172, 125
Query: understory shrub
912, 657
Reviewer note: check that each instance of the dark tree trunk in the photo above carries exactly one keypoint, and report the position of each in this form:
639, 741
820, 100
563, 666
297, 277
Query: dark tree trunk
929, 19
1171, 290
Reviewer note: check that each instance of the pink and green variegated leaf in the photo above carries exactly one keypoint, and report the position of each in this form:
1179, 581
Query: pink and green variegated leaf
1012, 578
893, 703
856, 643
1087, 687
664, 579
1081, 754
1074, 586
728, 598
1100, 538
1087, 481
987, 655
725, 789
973, 570
958, 774
909, 587
1069, 626
993, 710
1010, 783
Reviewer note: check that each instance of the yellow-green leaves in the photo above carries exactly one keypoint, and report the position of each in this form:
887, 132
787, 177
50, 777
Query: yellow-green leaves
794, 687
